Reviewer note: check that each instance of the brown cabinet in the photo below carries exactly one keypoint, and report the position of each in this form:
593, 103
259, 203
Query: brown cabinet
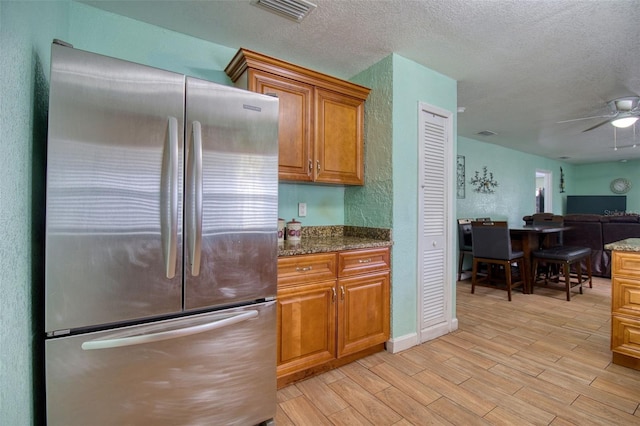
321, 127
326, 321
625, 308
306, 318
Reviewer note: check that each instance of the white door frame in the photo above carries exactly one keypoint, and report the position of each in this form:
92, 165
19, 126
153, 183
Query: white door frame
548, 189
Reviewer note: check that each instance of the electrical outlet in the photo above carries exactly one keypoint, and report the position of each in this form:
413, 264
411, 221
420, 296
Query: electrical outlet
302, 209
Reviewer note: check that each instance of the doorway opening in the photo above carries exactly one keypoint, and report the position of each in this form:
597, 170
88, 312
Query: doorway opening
544, 194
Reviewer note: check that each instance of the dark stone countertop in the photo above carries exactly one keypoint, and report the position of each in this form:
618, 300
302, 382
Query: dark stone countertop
324, 239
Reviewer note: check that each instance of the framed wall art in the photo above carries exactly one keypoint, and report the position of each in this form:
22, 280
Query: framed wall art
460, 176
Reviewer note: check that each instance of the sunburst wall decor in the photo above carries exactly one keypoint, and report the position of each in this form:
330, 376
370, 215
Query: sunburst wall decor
484, 184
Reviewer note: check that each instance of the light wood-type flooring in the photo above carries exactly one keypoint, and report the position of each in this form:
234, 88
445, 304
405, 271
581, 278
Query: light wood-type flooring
538, 360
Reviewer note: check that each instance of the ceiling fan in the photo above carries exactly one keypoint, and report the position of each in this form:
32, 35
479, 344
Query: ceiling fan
624, 112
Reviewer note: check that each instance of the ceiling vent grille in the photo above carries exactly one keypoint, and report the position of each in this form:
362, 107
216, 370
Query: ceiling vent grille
486, 133
295, 10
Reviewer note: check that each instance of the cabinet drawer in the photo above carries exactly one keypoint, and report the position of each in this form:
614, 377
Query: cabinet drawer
626, 264
306, 268
625, 296
363, 261
625, 335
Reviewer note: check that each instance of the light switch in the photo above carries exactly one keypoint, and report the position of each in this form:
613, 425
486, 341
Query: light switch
302, 209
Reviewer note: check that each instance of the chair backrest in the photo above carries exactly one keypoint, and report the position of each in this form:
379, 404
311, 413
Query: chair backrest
491, 240
546, 219
549, 219
465, 240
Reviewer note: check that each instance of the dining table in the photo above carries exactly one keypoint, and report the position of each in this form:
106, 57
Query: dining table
529, 238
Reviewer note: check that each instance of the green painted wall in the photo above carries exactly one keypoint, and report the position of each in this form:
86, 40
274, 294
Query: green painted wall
389, 197
594, 179
123, 38
325, 204
372, 204
26, 31
172, 51
515, 173
412, 83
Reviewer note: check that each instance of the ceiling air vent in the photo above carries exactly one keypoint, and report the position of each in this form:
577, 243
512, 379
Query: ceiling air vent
486, 133
295, 10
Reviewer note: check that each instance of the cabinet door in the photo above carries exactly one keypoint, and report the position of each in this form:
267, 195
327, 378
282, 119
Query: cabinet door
306, 326
363, 312
339, 138
294, 123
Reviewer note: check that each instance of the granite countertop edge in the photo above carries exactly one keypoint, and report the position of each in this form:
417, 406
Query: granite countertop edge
630, 244
325, 239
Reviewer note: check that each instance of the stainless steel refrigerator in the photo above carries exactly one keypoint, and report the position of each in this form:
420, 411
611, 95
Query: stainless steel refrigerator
161, 247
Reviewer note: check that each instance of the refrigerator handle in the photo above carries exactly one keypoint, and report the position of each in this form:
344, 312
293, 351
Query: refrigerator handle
194, 204
169, 334
169, 198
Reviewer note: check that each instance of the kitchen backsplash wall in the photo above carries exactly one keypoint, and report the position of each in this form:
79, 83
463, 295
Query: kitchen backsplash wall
325, 204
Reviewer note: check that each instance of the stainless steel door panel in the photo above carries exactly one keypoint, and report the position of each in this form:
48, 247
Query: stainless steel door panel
225, 376
239, 195
115, 155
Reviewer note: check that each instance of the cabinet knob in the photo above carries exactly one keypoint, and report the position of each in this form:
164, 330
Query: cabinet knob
342, 292
318, 165
364, 260
310, 166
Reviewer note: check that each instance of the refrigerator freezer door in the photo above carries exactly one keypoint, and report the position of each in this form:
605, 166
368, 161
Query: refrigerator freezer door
212, 375
114, 191
232, 153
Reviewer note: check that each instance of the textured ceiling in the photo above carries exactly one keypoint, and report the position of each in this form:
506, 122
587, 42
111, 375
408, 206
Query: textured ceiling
521, 65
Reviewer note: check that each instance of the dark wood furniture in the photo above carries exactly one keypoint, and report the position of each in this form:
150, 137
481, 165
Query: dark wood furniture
565, 256
464, 242
527, 238
492, 246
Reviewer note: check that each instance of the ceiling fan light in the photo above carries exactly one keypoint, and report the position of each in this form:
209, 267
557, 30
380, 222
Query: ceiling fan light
624, 122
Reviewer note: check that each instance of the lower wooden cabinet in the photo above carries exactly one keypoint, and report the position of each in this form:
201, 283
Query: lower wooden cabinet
306, 326
363, 312
625, 309
324, 323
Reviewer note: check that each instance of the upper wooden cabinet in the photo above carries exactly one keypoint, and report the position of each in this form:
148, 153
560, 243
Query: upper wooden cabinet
321, 118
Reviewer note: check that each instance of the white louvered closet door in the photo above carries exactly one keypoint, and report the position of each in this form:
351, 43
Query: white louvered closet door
433, 243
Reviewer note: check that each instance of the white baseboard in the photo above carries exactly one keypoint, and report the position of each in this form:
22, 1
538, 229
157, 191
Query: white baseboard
407, 341
402, 343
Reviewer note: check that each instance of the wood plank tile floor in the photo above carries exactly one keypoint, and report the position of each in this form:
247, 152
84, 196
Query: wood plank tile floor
538, 360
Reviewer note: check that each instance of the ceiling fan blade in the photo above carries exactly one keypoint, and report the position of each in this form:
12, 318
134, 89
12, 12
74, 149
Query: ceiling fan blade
586, 118
596, 126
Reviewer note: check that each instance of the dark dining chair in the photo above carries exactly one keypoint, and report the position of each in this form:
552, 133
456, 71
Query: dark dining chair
565, 257
492, 246
561, 263
465, 242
